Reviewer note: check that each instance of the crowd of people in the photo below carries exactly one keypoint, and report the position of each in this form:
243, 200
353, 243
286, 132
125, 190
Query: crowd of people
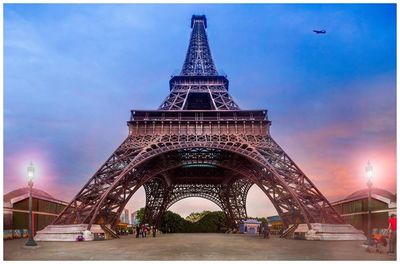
384, 239
143, 230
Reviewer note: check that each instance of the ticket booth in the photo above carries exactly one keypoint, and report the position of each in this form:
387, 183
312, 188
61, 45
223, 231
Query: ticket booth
249, 226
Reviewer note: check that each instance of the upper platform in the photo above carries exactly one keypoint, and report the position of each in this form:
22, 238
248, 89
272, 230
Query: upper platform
199, 80
197, 115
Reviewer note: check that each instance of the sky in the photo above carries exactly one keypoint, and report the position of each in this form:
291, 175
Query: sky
72, 73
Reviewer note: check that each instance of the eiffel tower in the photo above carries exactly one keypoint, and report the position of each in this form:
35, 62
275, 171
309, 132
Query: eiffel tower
198, 143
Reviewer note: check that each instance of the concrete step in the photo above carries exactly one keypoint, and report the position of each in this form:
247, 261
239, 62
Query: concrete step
67, 232
321, 231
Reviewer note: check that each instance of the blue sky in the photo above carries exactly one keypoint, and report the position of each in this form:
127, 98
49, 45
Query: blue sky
73, 72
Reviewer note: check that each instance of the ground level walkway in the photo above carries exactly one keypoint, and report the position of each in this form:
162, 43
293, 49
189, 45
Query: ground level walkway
193, 247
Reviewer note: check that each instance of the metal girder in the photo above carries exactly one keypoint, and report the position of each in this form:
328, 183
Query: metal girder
233, 196
157, 194
219, 99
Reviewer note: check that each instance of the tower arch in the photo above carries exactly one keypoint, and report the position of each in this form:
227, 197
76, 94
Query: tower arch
245, 166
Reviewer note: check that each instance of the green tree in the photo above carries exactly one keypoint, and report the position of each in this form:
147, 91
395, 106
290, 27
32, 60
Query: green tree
140, 215
194, 217
208, 222
211, 222
172, 223
263, 220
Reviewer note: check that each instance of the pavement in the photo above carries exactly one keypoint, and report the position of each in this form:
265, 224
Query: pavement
193, 247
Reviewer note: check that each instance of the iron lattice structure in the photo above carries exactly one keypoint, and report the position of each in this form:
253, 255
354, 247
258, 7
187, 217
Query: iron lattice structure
198, 144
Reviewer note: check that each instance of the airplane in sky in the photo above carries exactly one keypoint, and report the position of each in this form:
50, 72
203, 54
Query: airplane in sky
320, 31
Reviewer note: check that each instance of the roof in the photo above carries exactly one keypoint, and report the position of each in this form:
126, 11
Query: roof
251, 221
23, 193
376, 193
274, 218
364, 193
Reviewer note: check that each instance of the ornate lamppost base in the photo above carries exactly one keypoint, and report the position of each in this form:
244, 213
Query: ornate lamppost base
31, 243
31, 246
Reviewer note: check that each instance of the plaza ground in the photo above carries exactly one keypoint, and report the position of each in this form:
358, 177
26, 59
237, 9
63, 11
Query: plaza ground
193, 247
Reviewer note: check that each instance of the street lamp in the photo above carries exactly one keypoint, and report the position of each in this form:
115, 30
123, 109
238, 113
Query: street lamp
31, 174
369, 174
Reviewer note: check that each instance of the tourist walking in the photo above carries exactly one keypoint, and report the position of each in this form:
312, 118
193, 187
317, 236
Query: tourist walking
392, 230
266, 230
154, 231
137, 231
144, 230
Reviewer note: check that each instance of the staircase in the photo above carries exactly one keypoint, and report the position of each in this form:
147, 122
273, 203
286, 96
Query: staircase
289, 231
67, 232
322, 231
110, 234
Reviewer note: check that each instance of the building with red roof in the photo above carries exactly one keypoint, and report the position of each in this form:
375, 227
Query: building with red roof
354, 208
16, 211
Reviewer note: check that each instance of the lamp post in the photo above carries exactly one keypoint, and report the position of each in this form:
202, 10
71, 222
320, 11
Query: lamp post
369, 174
31, 173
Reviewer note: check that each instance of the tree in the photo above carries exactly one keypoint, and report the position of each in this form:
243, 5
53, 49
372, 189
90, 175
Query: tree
263, 220
194, 217
212, 222
172, 223
196, 222
140, 215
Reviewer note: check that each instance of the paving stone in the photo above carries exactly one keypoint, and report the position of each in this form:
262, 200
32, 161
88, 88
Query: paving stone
193, 247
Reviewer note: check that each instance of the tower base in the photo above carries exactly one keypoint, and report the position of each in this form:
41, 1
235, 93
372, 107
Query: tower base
321, 231
69, 233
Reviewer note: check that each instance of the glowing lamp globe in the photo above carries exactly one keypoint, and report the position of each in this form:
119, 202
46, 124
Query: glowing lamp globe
369, 171
31, 172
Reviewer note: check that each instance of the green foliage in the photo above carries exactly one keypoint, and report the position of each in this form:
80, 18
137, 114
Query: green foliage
172, 223
194, 217
263, 220
199, 222
211, 222
204, 222
140, 215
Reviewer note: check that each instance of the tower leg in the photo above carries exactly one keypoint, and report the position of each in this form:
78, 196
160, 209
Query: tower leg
157, 197
233, 197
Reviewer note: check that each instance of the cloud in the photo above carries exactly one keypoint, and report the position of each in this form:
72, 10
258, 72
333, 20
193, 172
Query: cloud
357, 125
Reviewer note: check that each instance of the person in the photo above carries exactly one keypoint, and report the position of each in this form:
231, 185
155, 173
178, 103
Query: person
392, 230
144, 230
137, 231
266, 230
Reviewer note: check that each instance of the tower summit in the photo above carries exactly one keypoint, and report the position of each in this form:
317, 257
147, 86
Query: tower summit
199, 87
198, 60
